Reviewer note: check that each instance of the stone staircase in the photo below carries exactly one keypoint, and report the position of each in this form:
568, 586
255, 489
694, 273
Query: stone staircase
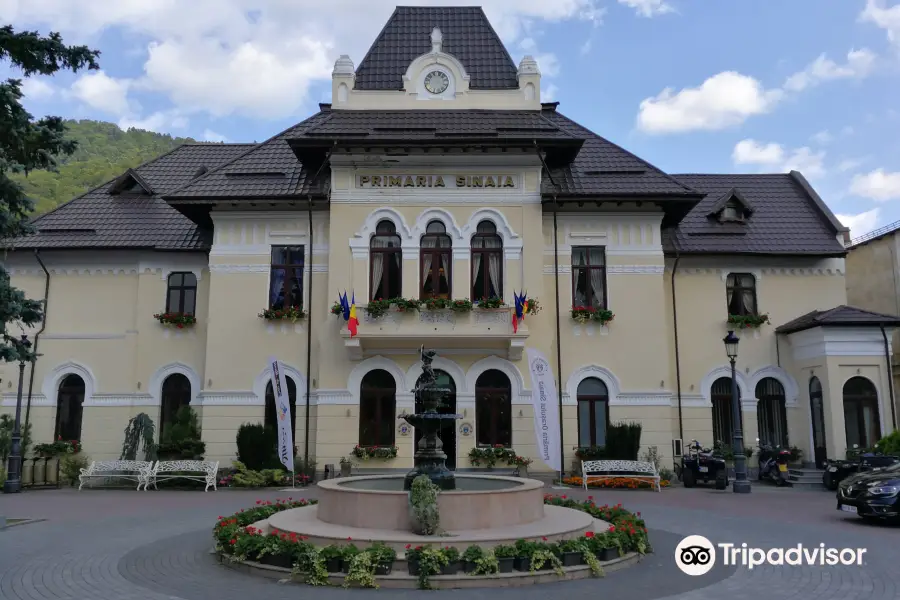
806, 478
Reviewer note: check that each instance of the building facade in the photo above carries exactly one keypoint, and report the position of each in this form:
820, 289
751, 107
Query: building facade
437, 174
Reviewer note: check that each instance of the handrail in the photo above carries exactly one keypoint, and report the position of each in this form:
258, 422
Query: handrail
874, 234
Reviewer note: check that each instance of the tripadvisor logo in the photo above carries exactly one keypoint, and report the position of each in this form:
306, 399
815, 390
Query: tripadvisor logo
696, 555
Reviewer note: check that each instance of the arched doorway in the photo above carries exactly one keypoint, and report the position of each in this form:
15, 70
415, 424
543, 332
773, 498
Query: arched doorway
377, 408
493, 409
861, 419
176, 392
271, 419
771, 412
817, 414
69, 408
447, 433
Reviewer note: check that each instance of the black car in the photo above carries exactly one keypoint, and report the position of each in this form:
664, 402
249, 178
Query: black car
838, 470
872, 495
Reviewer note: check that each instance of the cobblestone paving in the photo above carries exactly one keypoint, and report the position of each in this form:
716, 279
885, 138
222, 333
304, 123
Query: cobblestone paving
123, 545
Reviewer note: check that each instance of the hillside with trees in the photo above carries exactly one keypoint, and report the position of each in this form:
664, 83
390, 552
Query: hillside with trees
104, 151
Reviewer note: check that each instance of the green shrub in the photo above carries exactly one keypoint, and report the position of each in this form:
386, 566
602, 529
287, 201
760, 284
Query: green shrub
6, 428
70, 467
623, 441
182, 438
889, 444
257, 446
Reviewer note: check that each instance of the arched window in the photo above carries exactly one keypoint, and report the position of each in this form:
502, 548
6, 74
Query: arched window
69, 408
493, 409
181, 296
817, 413
176, 392
385, 271
435, 255
377, 405
272, 410
487, 262
861, 419
593, 412
723, 415
771, 413
740, 294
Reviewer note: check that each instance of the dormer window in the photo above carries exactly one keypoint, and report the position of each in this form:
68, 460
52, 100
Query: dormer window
731, 207
732, 212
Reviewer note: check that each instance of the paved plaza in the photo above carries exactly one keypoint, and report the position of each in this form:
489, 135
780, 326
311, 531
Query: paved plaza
122, 545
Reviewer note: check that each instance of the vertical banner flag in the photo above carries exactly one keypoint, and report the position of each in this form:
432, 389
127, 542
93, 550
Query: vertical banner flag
352, 321
284, 416
546, 409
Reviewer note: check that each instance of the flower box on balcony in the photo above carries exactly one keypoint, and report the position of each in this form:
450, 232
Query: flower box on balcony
292, 314
748, 321
179, 320
367, 452
583, 314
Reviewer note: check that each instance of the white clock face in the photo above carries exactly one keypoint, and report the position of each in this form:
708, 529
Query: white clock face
436, 82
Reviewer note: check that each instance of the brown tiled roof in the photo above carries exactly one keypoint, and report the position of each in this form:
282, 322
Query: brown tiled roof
788, 218
467, 35
840, 316
98, 219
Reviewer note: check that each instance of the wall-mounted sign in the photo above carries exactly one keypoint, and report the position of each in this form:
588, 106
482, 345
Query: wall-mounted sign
436, 181
465, 429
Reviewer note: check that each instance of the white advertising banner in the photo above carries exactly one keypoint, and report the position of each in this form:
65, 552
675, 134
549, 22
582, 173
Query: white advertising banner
546, 409
283, 412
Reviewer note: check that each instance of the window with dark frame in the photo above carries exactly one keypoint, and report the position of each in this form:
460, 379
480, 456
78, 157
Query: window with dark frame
771, 412
271, 416
385, 263
176, 392
722, 413
589, 277
286, 277
69, 408
493, 409
377, 408
593, 412
732, 211
862, 421
487, 262
435, 260
181, 294
740, 290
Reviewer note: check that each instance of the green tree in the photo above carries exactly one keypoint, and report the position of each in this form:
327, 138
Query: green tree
27, 145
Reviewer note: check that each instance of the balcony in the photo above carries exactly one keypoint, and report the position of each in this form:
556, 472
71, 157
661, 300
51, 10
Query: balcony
480, 331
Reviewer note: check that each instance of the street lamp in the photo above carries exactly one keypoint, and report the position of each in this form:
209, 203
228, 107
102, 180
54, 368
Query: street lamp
13, 481
741, 483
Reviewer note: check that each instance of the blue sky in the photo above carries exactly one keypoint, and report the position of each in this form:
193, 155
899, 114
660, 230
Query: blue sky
689, 85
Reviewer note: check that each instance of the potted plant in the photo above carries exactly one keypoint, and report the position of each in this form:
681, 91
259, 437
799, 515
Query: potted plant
367, 452
506, 557
606, 546
424, 562
377, 308
332, 555
436, 303
583, 314
461, 306
291, 313
522, 463
571, 552
383, 557
748, 321
454, 564
348, 553
491, 303
470, 558
179, 320
524, 551
404, 304
346, 466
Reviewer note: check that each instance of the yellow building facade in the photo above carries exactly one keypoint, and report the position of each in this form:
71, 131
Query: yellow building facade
437, 179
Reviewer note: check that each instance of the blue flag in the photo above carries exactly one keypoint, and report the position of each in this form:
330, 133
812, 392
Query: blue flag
345, 306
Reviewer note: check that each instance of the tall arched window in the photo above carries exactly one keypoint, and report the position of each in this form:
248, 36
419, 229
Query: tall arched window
435, 257
176, 392
386, 273
771, 413
487, 262
723, 415
377, 406
593, 412
69, 408
272, 410
861, 419
817, 413
493, 409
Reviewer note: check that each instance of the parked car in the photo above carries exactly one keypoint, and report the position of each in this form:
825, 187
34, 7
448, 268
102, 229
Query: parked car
701, 465
838, 470
873, 495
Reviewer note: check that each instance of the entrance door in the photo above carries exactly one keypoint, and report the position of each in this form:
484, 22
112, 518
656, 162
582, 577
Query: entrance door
817, 414
447, 432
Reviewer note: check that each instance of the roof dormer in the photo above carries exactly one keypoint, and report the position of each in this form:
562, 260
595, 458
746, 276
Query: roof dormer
732, 207
130, 182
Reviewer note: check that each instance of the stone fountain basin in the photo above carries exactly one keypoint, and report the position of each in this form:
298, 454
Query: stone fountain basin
482, 502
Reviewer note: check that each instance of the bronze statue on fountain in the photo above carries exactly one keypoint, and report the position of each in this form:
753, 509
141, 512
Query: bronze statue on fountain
430, 458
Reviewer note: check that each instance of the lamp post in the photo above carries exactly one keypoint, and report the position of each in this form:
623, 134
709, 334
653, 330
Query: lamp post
741, 484
13, 481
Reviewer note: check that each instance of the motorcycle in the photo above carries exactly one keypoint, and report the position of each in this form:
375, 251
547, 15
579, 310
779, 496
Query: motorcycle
773, 464
701, 465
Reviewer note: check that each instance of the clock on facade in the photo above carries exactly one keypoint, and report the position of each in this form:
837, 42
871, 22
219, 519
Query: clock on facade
436, 82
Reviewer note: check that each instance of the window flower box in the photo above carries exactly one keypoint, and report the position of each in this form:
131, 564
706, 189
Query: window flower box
406, 304
378, 308
583, 314
461, 306
367, 452
292, 314
748, 321
491, 455
490, 303
179, 320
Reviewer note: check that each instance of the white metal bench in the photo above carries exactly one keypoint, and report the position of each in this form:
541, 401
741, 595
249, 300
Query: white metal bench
194, 470
134, 470
599, 470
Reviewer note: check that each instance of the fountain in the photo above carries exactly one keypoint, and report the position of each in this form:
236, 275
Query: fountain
429, 458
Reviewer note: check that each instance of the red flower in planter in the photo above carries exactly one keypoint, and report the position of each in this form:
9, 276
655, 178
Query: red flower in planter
588, 534
408, 546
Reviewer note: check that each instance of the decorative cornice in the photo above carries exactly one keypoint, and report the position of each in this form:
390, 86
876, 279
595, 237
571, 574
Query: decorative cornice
85, 336
635, 269
563, 270
120, 400
229, 398
9, 400
782, 271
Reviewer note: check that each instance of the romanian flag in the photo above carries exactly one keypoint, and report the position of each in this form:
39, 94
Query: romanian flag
519, 312
352, 321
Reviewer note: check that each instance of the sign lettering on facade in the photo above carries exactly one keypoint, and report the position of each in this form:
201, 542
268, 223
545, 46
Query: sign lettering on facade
436, 181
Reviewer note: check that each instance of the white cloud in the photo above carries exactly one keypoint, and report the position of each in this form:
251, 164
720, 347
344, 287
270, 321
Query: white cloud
849, 164
108, 94
548, 64
211, 136
884, 17
722, 101
649, 8
37, 89
822, 137
161, 122
859, 65
860, 224
774, 156
878, 185
548, 92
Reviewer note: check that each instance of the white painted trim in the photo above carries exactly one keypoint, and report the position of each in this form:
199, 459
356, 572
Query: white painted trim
613, 386
85, 336
512, 242
691, 401
722, 371
50, 387
837, 341
517, 382
354, 380
9, 400
119, 400
880, 396
437, 214
229, 398
265, 377
159, 377
333, 397
635, 269
361, 240
791, 388
439, 364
